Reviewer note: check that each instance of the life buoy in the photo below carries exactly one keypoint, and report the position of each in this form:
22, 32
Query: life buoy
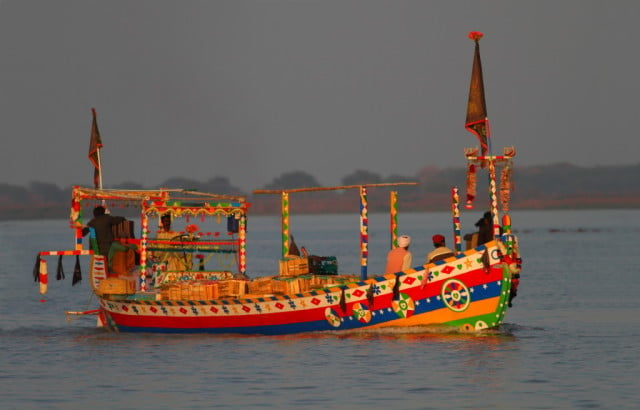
43, 277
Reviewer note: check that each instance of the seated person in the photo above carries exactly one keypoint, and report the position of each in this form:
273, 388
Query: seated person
441, 251
485, 228
399, 259
484, 233
176, 261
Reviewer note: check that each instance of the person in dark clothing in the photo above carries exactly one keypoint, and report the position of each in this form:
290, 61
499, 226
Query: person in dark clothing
102, 223
485, 228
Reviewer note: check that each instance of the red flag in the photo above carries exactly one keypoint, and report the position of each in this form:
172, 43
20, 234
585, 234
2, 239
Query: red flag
95, 144
477, 122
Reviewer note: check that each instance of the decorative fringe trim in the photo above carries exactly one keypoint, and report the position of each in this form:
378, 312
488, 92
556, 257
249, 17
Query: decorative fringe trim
471, 185
506, 186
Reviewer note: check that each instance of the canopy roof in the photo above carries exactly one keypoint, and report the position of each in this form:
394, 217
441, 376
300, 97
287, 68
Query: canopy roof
179, 202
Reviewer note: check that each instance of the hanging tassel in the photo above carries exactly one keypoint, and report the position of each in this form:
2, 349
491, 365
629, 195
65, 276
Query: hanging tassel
471, 185
60, 270
370, 296
36, 269
343, 302
396, 288
486, 263
77, 273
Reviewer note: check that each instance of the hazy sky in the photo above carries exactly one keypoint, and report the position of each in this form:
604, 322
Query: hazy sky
252, 89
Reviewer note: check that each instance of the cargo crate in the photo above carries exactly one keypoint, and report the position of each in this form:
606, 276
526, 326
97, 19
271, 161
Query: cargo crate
211, 290
294, 266
232, 287
260, 286
285, 286
323, 265
117, 286
321, 281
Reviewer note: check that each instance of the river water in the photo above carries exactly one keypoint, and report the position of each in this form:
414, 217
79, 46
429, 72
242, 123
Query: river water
570, 340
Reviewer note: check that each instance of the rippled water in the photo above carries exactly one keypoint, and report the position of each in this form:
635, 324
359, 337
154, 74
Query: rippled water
570, 341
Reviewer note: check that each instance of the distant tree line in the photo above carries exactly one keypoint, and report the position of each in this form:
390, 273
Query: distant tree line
536, 187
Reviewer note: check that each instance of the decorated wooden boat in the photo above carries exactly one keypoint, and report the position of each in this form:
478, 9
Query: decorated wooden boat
195, 280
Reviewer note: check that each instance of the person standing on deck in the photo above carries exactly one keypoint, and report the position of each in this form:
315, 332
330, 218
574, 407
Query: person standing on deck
399, 259
102, 223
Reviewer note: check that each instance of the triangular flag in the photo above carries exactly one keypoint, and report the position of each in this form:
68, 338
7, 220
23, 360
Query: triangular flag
95, 143
477, 122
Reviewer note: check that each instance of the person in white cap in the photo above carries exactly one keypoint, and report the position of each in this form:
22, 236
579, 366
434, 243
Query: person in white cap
399, 259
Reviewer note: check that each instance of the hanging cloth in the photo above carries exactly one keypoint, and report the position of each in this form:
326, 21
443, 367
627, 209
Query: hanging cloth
59, 270
36, 269
77, 273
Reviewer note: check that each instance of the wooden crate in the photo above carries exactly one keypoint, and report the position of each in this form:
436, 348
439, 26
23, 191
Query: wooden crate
190, 290
294, 266
212, 290
323, 265
117, 286
304, 283
321, 281
185, 291
285, 286
232, 287
260, 286
123, 262
174, 292
197, 291
164, 293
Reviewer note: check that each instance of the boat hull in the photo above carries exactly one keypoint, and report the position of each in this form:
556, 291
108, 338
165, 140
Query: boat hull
468, 292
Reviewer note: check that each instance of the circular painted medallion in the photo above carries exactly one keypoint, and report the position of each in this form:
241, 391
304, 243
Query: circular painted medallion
332, 317
362, 313
455, 295
403, 306
480, 325
467, 327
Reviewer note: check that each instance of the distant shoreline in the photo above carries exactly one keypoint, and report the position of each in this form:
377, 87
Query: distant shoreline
61, 211
557, 186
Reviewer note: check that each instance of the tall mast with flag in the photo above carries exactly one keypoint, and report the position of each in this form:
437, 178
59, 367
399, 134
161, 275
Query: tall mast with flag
95, 143
477, 122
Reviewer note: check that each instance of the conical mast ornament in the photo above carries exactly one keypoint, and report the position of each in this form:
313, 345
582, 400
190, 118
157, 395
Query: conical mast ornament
477, 122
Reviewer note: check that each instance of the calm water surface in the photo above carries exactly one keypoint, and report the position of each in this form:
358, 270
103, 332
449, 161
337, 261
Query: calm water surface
570, 341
